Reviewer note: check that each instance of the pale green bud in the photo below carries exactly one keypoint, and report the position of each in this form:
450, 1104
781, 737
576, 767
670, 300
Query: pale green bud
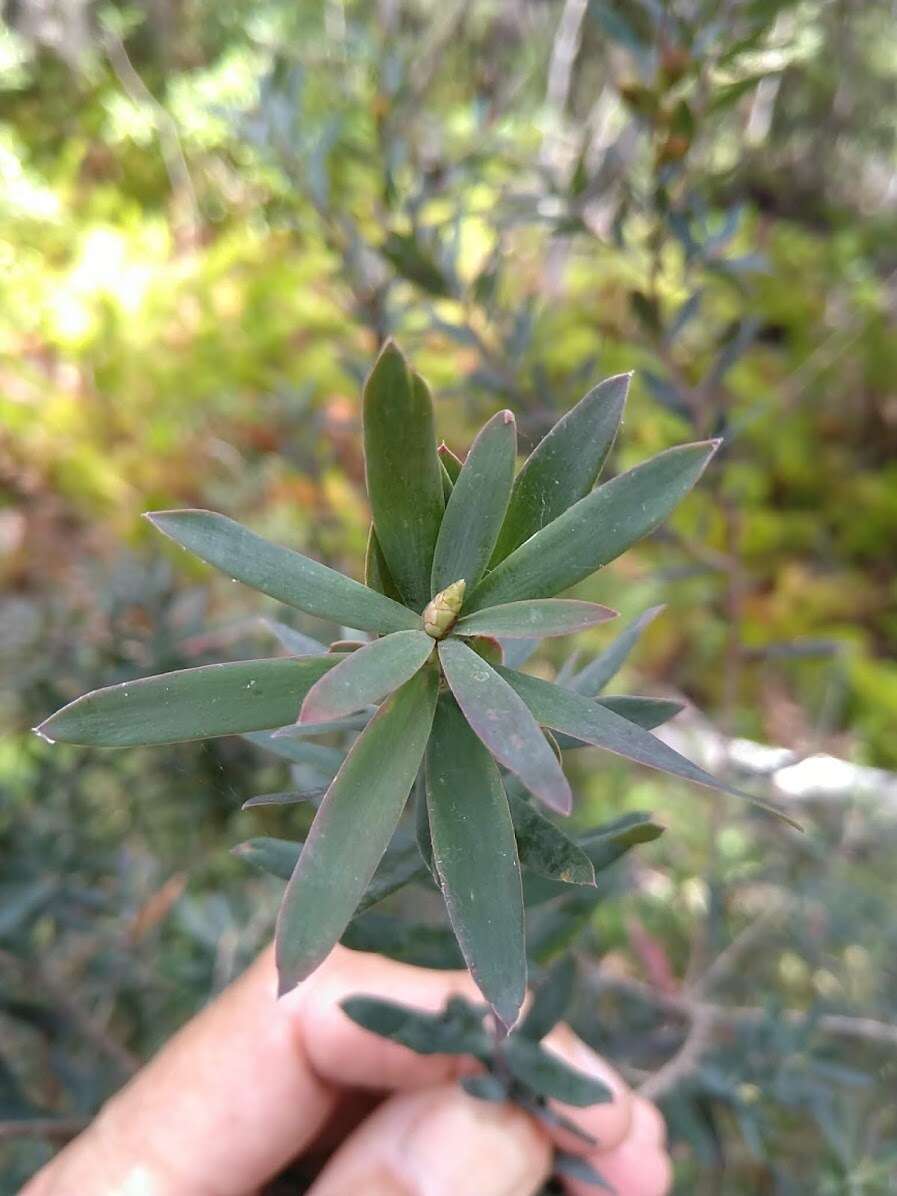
442, 611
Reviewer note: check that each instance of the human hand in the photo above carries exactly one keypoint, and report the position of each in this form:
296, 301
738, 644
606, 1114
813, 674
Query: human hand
251, 1083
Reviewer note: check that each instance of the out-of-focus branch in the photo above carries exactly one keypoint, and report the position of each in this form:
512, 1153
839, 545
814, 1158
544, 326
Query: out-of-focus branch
169, 138
707, 1018
57, 1128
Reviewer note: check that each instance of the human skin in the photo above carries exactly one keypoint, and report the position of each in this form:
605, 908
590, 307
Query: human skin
252, 1083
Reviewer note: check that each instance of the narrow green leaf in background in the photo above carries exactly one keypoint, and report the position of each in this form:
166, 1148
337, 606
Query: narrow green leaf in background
215, 699
475, 853
606, 844
645, 712
376, 571
551, 1000
281, 573
596, 674
457, 1030
308, 730
537, 619
580, 717
404, 477
504, 723
545, 849
279, 857
367, 676
324, 760
291, 797
548, 1075
565, 465
353, 828
297, 643
595, 530
450, 462
424, 946
477, 505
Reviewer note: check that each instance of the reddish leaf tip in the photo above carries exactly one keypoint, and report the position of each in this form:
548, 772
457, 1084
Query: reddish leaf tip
507, 417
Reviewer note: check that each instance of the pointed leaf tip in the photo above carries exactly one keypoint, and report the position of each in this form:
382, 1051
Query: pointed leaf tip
476, 506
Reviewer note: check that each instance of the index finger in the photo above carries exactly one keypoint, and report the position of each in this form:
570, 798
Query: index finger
249, 1083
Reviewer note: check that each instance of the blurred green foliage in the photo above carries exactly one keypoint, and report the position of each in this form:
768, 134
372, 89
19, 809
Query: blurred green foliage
208, 220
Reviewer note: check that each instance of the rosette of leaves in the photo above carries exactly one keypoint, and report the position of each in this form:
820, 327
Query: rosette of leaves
462, 558
518, 1068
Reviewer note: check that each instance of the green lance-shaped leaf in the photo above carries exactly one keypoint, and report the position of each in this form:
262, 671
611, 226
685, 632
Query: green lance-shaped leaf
582, 718
646, 712
422, 945
595, 530
290, 797
367, 676
310, 730
404, 477
475, 854
353, 828
545, 849
504, 723
451, 463
564, 466
606, 844
281, 573
551, 1001
376, 571
536, 619
324, 760
602, 847
548, 1075
477, 505
592, 679
297, 643
457, 1030
215, 699
574, 1166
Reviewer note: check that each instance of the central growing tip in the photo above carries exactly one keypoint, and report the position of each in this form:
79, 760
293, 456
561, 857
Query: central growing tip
441, 612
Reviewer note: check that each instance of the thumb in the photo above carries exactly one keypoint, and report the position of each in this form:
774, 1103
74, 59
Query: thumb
439, 1142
